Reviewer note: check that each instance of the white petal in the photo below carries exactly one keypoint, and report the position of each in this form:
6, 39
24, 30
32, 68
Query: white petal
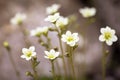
32, 48
72, 44
23, 56
57, 54
76, 39
28, 58
46, 57
34, 54
103, 30
112, 31
47, 53
114, 38
64, 38
109, 43
24, 50
52, 51
108, 28
68, 33
101, 38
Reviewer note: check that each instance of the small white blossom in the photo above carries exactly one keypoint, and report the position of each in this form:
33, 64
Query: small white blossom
108, 35
70, 39
28, 53
52, 9
87, 12
18, 19
61, 22
52, 18
38, 31
52, 54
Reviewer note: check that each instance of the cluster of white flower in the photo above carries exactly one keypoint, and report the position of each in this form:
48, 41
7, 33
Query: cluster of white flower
39, 31
52, 18
70, 39
87, 12
108, 35
18, 19
53, 9
52, 54
55, 17
28, 54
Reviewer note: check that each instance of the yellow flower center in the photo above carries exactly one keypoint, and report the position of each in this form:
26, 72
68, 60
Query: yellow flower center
51, 56
29, 54
19, 20
107, 35
70, 38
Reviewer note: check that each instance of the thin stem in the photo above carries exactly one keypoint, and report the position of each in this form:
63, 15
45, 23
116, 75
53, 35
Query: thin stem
53, 70
48, 46
14, 66
35, 75
72, 63
103, 63
61, 47
23, 30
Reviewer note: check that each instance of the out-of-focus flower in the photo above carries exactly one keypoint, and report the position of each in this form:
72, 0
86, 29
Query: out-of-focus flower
28, 53
52, 9
70, 39
52, 54
5, 44
38, 31
52, 18
62, 22
18, 19
108, 35
87, 12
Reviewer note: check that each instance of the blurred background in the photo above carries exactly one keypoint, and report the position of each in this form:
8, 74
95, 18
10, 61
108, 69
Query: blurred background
89, 50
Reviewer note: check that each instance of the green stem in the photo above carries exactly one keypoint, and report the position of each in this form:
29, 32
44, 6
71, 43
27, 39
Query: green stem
60, 43
62, 55
103, 63
14, 66
48, 48
23, 30
72, 63
35, 75
53, 70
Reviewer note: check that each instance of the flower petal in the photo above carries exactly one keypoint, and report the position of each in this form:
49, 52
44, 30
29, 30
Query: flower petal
109, 43
101, 38
32, 48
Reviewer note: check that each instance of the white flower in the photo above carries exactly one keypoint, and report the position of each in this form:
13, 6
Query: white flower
52, 18
18, 19
52, 54
70, 38
61, 22
52, 9
39, 30
28, 53
108, 35
87, 12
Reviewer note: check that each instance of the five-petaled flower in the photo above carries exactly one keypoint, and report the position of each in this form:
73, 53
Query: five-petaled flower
52, 18
87, 12
52, 54
70, 39
28, 53
39, 31
108, 35
18, 19
62, 22
52, 9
